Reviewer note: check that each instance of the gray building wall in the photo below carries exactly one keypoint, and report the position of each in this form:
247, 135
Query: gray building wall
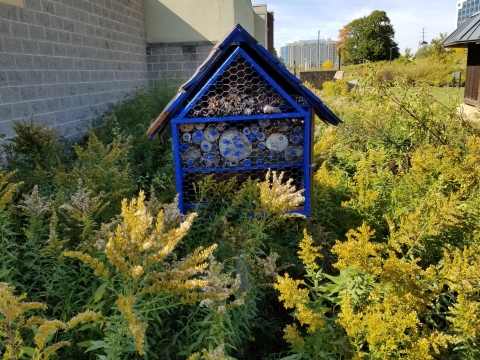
176, 62
62, 61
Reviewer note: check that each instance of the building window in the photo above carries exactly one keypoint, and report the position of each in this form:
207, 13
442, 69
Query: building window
13, 2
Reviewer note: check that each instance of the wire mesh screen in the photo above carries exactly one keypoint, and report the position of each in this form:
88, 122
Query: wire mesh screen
240, 149
190, 180
241, 90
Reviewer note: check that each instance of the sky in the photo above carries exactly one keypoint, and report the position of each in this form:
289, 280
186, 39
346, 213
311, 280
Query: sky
301, 19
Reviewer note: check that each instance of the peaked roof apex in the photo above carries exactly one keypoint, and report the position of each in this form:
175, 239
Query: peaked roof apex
241, 36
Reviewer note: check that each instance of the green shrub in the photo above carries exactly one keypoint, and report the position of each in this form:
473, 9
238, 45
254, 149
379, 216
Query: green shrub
337, 88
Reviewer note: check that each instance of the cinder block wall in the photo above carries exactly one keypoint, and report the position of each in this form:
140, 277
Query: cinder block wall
317, 78
62, 61
176, 62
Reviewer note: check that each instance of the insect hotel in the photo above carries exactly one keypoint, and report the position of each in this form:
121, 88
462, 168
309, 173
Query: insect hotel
241, 114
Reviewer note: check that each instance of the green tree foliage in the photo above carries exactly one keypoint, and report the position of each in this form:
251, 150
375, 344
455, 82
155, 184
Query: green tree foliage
435, 50
327, 65
368, 38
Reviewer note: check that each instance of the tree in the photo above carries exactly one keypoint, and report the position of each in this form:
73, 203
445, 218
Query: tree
278, 57
368, 38
327, 65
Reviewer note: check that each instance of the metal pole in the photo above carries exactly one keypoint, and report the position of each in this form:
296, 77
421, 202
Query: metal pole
391, 56
339, 57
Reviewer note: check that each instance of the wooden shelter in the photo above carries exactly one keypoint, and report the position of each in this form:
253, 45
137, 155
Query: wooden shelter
467, 36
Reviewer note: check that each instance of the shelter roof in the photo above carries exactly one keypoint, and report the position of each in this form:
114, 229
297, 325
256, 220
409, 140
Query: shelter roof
239, 37
468, 32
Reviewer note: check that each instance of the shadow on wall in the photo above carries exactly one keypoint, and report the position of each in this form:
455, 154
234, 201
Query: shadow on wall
160, 19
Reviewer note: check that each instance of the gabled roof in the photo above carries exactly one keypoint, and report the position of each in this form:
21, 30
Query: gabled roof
239, 37
468, 32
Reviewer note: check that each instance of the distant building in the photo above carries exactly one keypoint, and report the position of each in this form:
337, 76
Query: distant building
306, 53
466, 8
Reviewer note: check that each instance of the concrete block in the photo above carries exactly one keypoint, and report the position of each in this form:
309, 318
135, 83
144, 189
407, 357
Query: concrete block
189, 65
7, 61
84, 76
49, 77
52, 105
160, 67
87, 6
22, 110
45, 48
19, 30
42, 19
30, 46
78, 64
16, 78
174, 50
70, 89
38, 107
59, 50
36, 32
34, 77
61, 10
25, 15
204, 49
51, 35
40, 62
67, 64
54, 63
24, 62
196, 57
181, 58
73, 14
65, 37
174, 66
44, 92
66, 102
33, 4
56, 22
62, 77
165, 58
79, 28
28, 93
67, 2
76, 39
69, 25
76, 101
46, 120
8, 11
189, 49
48, 7
3, 79
9, 94
12, 45
6, 112
71, 50
58, 90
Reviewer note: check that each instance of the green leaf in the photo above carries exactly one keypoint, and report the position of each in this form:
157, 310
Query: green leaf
99, 293
97, 345
28, 350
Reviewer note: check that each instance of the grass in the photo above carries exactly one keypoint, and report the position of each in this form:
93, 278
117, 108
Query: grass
448, 96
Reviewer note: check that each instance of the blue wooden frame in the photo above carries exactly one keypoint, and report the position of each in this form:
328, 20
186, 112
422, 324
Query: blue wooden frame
300, 112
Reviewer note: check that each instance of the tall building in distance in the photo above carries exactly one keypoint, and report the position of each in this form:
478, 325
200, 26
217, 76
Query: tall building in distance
306, 54
465, 9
